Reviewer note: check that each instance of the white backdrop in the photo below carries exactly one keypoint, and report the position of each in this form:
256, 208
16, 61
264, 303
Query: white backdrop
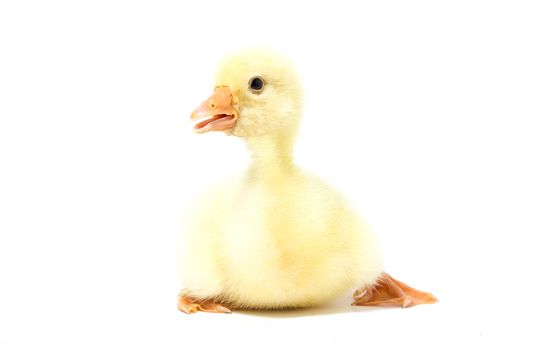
433, 117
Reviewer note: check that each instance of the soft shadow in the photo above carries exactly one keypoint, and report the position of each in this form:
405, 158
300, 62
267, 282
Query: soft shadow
339, 306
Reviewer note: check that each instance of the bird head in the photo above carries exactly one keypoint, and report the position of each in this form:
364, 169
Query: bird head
256, 93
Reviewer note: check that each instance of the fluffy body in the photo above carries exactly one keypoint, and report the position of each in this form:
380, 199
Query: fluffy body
293, 242
274, 237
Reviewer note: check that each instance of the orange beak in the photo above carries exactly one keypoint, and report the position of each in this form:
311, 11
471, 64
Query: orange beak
216, 113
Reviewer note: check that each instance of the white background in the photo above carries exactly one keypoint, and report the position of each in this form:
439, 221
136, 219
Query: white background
433, 117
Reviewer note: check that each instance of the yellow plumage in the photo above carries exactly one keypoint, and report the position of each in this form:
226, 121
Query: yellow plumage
274, 237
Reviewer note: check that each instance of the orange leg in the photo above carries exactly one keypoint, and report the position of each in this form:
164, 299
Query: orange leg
190, 305
390, 292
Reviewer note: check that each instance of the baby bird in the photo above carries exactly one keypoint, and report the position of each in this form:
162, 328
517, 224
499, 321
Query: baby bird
274, 237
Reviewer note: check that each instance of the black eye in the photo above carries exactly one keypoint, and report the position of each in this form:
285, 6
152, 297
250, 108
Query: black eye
256, 84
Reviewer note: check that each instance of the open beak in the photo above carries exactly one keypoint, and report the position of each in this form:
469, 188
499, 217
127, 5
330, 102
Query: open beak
216, 113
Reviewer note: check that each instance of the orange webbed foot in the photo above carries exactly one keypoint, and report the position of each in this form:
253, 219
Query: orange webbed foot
390, 292
190, 305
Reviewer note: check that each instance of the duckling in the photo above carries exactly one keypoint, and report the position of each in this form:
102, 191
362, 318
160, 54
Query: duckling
274, 237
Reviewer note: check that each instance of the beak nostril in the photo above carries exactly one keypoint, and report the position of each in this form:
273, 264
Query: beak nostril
211, 105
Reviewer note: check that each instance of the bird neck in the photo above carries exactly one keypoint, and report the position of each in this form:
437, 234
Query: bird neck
272, 156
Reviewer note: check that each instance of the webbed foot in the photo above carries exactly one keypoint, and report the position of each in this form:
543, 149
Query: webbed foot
190, 305
390, 292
